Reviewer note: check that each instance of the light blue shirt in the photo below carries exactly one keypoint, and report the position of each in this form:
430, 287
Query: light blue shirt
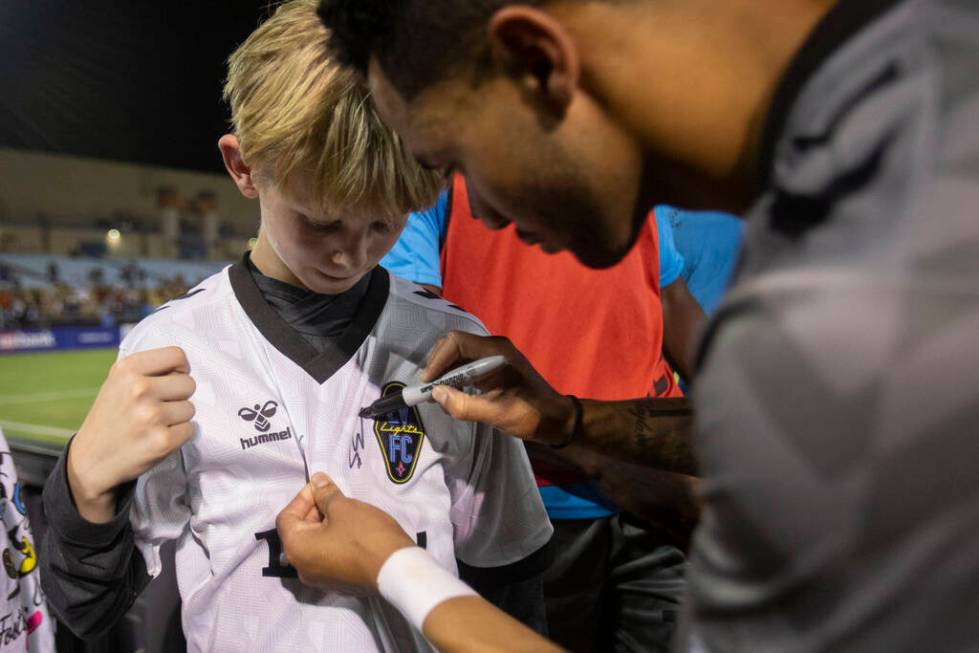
708, 243
415, 256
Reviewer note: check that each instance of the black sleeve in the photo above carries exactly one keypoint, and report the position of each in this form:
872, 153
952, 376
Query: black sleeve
517, 589
91, 573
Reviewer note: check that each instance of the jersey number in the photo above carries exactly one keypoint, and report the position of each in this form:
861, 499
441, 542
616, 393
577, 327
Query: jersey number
279, 568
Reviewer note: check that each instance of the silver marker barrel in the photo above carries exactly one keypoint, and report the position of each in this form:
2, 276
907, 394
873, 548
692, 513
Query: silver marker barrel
414, 395
457, 378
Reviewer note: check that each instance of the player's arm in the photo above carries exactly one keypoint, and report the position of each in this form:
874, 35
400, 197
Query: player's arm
141, 414
91, 573
331, 539
683, 318
683, 322
470, 623
666, 500
91, 569
647, 432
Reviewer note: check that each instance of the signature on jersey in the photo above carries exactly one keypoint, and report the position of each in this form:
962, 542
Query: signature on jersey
356, 446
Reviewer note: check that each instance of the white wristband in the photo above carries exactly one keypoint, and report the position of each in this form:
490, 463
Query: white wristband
414, 583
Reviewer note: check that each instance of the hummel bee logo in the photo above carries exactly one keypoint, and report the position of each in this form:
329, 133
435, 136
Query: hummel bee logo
260, 415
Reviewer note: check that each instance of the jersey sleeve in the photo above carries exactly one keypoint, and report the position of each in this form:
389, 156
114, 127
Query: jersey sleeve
497, 512
671, 261
415, 256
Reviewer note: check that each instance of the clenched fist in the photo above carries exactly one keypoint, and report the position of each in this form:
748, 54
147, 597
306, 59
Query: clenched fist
140, 416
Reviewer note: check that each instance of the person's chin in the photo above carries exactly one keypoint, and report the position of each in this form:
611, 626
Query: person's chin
327, 284
592, 255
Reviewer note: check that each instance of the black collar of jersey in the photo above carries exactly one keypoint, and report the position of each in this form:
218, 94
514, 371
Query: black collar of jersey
291, 344
843, 21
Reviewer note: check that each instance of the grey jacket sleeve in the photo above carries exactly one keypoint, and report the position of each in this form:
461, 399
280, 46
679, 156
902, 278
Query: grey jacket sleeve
91, 573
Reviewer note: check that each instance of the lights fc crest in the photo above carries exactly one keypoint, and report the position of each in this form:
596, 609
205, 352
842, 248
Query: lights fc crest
400, 435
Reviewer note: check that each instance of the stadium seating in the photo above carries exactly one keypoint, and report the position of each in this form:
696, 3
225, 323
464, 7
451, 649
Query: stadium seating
45, 291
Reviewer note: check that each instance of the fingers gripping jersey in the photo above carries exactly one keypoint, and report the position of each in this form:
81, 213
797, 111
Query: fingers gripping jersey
269, 411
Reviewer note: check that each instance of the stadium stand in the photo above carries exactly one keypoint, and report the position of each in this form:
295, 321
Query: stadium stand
42, 291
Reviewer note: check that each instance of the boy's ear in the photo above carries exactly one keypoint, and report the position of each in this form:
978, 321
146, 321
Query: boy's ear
240, 173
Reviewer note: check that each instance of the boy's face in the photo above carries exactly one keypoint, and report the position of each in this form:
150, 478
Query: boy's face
326, 253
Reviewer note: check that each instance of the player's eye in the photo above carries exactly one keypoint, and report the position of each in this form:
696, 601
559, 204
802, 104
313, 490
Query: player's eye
447, 170
381, 227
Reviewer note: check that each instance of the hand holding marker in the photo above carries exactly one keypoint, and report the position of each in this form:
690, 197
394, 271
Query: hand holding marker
416, 394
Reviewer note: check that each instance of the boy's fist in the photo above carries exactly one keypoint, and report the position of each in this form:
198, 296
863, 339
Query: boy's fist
141, 414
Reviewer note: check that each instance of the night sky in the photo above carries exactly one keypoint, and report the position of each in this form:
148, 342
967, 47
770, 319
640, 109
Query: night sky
123, 80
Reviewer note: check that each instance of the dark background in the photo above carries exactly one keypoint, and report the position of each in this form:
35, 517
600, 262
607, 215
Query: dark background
135, 80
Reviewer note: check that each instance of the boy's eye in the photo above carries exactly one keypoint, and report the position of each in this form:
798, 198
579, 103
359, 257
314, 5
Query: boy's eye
323, 227
380, 227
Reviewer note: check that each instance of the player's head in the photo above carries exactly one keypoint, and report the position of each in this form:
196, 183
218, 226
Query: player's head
492, 88
574, 117
335, 184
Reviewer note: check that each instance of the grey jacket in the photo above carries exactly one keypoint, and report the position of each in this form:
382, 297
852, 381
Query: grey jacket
838, 398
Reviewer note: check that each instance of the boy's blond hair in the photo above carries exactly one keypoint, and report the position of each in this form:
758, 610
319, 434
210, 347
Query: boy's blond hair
310, 127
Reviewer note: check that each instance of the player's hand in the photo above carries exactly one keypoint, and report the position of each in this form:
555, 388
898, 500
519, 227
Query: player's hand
515, 399
141, 414
333, 540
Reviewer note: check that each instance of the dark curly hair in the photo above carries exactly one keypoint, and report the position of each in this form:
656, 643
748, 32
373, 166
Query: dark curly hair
416, 42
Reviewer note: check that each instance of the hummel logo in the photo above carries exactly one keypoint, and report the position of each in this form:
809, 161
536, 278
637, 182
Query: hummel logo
265, 438
260, 415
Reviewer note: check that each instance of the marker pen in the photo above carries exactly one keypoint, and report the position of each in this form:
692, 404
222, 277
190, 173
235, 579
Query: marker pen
416, 394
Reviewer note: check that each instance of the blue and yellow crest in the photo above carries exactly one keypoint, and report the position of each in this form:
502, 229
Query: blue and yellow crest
400, 435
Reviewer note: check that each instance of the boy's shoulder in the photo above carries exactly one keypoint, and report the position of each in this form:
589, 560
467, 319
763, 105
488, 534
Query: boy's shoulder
410, 298
177, 319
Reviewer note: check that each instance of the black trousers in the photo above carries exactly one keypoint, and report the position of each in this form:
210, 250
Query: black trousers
612, 586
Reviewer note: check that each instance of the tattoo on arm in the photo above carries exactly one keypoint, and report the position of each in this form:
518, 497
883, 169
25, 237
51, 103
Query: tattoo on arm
661, 433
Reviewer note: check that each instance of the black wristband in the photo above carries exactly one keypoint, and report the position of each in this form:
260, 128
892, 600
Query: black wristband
576, 428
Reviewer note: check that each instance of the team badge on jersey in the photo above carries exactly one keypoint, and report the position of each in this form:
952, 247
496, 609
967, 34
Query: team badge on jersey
400, 435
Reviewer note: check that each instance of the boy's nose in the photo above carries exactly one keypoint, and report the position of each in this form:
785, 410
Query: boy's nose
350, 258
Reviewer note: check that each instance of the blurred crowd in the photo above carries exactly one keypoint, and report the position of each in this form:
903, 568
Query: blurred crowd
99, 302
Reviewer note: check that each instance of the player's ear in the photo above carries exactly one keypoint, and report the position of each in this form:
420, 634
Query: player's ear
240, 172
538, 52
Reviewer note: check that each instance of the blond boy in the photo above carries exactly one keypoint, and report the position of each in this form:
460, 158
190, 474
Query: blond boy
223, 400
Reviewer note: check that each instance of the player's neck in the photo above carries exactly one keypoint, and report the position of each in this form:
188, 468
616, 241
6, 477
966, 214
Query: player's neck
710, 110
264, 258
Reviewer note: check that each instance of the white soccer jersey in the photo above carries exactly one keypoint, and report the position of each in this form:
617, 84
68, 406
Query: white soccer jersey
269, 407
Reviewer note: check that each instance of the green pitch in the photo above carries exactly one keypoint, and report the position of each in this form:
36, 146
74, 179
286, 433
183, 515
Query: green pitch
45, 397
